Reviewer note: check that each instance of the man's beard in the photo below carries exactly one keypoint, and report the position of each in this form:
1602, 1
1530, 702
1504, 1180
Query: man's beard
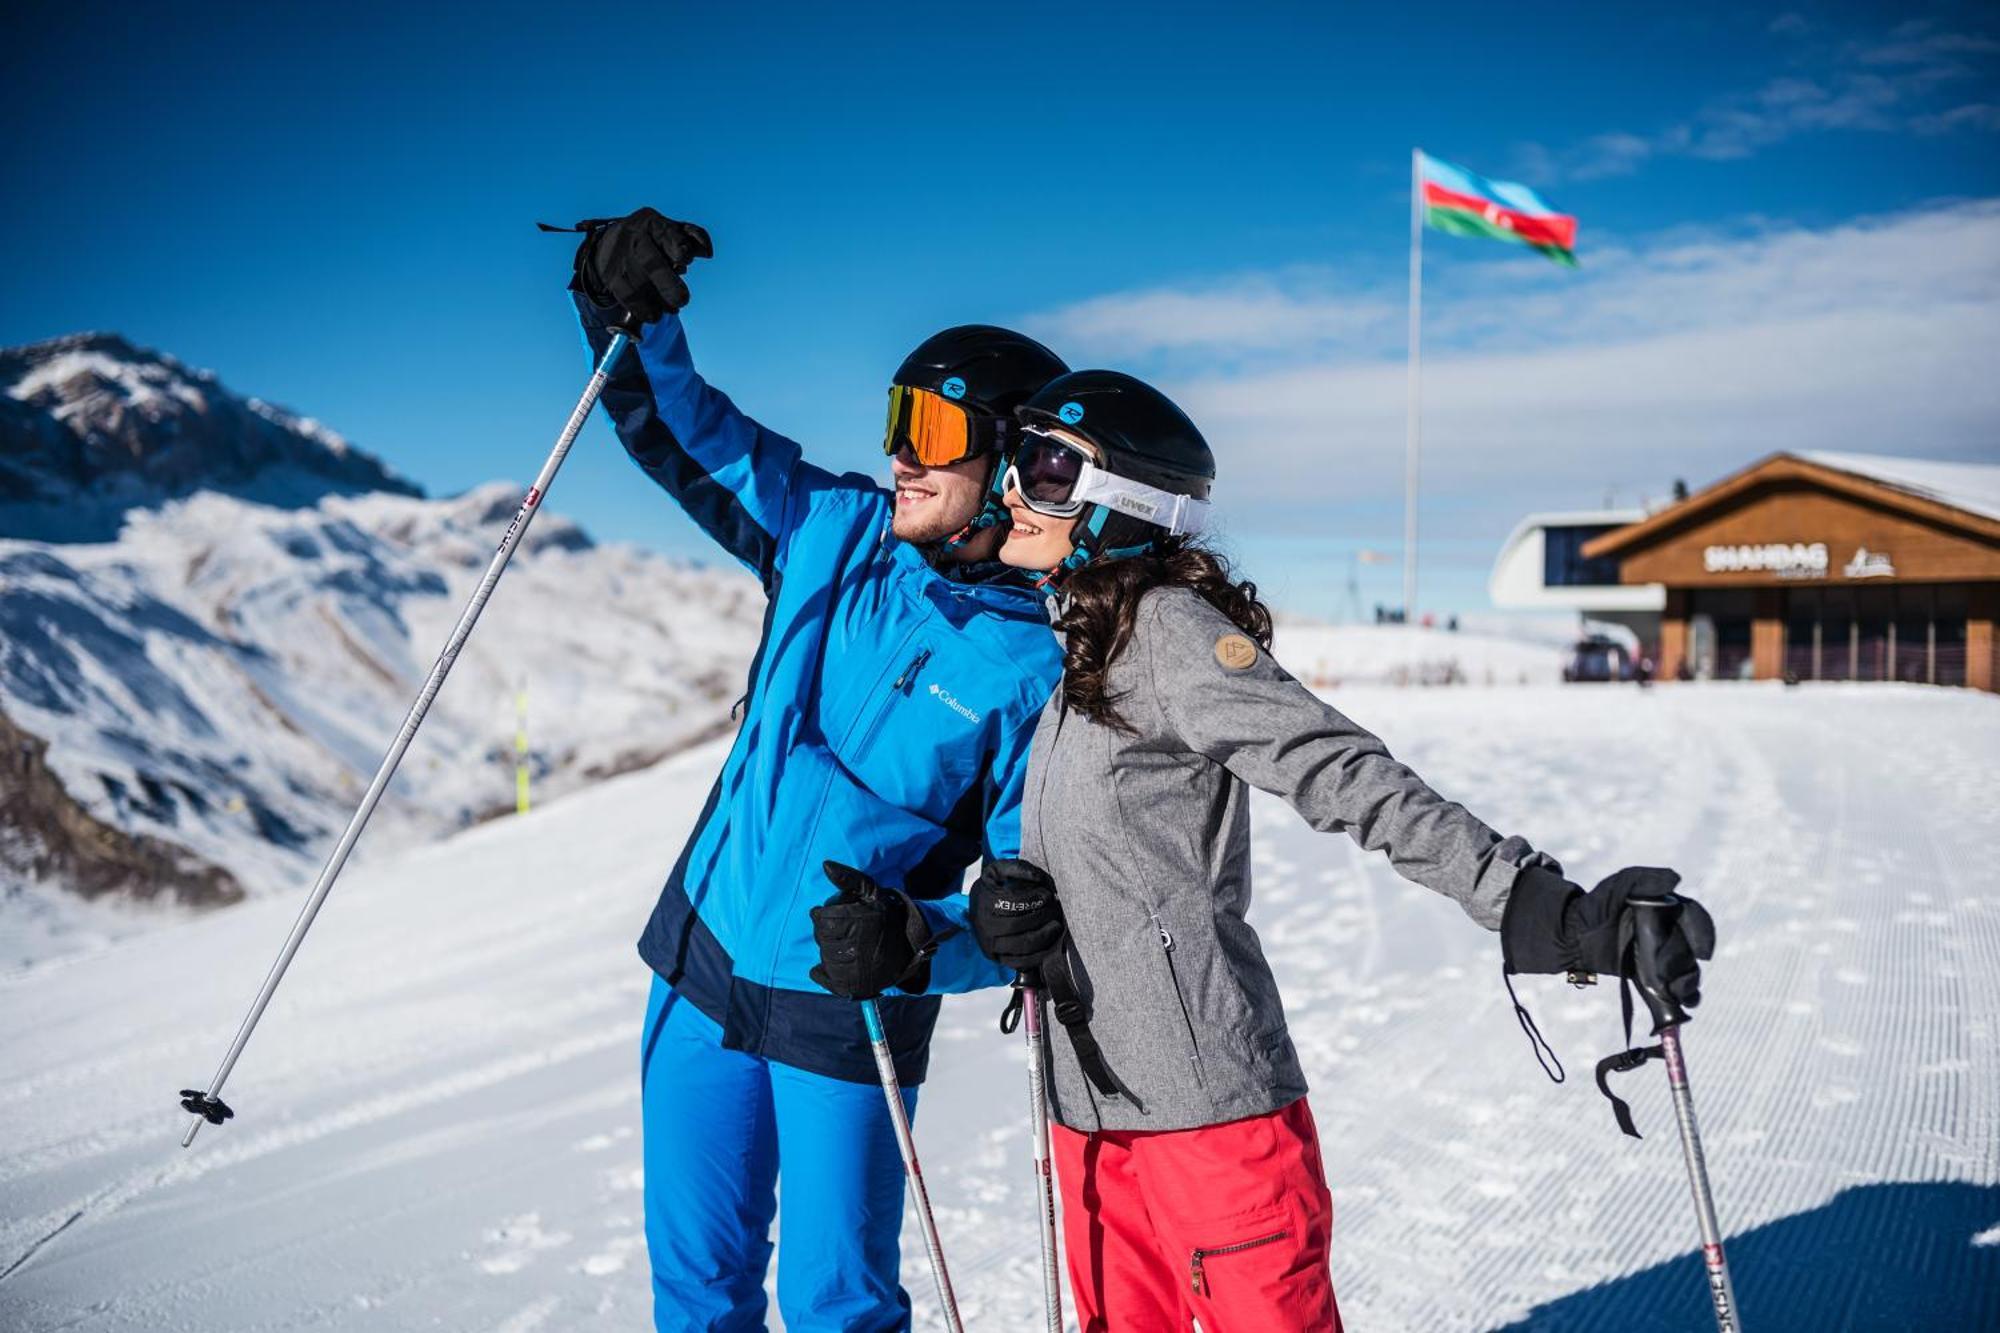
938, 523
931, 528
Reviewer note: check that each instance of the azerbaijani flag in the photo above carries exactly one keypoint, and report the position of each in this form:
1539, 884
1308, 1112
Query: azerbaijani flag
1465, 204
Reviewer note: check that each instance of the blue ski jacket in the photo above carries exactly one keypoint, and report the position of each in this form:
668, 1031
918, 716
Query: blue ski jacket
886, 725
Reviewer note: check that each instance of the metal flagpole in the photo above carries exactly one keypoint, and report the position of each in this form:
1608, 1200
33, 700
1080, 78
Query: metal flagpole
1413, 438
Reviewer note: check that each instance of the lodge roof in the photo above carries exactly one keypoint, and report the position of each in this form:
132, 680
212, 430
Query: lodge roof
1973, 487
1964, 495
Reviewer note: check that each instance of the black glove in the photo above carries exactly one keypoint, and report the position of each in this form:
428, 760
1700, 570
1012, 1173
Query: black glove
634, 263
1015, 916
1551, 925
870, 938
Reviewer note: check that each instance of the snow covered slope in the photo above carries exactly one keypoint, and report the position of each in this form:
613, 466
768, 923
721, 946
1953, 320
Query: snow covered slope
438, 1118
225, 676
1328, 656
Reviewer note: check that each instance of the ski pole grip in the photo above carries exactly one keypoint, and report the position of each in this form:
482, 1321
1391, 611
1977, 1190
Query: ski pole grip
1653, 919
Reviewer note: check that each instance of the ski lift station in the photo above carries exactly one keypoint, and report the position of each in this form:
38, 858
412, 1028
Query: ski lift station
1803, 566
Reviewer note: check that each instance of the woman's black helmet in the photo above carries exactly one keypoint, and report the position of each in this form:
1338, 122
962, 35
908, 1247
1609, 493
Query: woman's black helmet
1142, 435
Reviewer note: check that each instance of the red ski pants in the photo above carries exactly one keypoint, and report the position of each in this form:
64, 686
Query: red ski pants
1229, 1225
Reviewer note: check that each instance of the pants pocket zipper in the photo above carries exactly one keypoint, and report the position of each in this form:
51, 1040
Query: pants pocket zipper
1199, 1277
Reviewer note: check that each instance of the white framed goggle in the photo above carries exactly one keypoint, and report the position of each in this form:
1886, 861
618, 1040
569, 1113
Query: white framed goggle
1056, 478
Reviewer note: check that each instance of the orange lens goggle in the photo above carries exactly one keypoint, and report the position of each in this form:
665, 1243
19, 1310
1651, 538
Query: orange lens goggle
935, 429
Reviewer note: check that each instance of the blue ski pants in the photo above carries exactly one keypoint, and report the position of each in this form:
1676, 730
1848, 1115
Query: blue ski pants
718, 1125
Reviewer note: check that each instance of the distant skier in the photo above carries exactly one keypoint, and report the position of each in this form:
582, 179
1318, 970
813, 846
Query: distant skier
886, 726
1191, 1175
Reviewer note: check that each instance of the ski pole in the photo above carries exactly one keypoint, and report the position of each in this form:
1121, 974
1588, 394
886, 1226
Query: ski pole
1652, 920
1038, 1116
906, 1143
207, 1105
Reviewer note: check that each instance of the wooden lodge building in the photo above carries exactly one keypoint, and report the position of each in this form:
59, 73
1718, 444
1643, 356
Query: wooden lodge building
1823, 566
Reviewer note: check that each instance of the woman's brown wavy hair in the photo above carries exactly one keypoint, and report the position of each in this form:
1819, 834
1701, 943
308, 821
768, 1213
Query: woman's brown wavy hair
1102, 602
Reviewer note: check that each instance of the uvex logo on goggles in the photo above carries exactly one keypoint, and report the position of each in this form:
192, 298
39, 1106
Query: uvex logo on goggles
936, 430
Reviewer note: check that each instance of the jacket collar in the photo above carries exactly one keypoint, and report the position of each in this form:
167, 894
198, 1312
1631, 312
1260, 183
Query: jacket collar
1004, 595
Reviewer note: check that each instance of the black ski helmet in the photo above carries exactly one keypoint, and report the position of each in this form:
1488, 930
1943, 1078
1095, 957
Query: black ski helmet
990, 371
1142, 435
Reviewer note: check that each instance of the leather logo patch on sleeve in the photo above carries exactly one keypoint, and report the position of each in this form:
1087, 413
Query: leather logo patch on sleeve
1236, 652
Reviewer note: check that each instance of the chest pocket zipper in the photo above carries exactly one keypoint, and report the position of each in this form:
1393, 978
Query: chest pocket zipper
910, 672
1199, 1279
901, 687
1187, 1019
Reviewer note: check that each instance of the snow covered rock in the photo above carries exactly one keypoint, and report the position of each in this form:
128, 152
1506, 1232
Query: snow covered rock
192, 704
91, 425
225, 676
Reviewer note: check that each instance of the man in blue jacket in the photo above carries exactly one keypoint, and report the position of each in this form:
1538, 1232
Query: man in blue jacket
887, 723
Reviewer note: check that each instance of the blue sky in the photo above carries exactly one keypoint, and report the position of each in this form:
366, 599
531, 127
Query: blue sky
1788, 227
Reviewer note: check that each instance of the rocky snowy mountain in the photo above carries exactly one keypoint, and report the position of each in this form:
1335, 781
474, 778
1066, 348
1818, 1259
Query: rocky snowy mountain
189, 711
91, 426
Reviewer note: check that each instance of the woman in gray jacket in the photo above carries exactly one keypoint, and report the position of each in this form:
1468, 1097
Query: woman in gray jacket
1189, 1166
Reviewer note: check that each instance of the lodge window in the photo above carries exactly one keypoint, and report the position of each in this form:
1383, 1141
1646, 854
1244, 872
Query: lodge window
1563, 562
1909, 632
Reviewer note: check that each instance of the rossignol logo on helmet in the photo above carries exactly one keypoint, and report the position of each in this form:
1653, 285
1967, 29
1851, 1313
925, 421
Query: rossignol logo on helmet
954, 387
1070, 412
949, 700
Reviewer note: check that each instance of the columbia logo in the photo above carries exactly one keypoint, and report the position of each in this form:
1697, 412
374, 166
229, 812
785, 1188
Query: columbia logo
949, 700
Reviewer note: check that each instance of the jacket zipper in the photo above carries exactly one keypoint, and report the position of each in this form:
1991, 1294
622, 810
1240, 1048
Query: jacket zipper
899, 687
910, 671
1200, 1279
1187, 1019
1048, 767
812, 829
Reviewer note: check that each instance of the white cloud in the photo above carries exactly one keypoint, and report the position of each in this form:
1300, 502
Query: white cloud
1683, 356
1918, 42
1973, 115
1255, 312
1900, 83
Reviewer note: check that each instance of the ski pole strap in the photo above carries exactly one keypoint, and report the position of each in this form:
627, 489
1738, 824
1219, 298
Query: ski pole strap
1545, 1054
1074, 1015
1624, 1062
1010, 1017
1632, 1057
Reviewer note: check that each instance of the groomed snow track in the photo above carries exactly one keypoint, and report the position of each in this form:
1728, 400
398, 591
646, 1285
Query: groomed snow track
437, 1120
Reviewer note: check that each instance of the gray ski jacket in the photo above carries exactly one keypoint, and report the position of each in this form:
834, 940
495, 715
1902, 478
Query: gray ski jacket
1147, 837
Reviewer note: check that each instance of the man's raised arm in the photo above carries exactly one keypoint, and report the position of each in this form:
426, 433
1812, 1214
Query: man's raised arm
736, 479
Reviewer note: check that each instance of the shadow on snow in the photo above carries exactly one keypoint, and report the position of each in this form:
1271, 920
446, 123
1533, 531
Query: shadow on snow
1890, 1256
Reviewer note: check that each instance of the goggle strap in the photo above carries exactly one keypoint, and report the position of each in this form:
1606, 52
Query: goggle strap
1179, 514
